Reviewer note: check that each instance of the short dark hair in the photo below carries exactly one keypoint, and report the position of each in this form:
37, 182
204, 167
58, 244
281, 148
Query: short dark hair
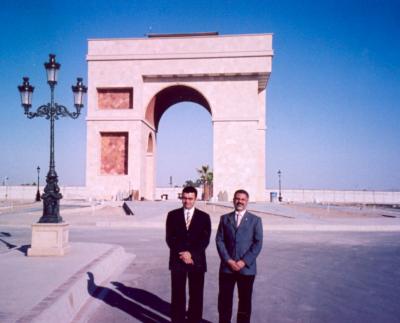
241, 192
190, 189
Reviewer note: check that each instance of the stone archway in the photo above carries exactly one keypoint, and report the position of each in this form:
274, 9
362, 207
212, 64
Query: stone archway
157, 106
132, 82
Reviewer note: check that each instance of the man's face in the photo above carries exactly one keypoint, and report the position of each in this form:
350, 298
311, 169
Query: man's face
240, 201
188, 200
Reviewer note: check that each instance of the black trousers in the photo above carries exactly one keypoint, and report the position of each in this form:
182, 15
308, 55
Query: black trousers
225, 296
178, 296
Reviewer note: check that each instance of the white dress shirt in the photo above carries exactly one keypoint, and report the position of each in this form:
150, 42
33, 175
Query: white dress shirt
239, 217
188, 216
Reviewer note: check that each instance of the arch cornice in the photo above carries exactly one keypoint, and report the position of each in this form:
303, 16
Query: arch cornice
262, 78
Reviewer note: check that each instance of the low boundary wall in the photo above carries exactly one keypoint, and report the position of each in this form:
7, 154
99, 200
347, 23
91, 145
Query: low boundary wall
299, 196
29, 192
334, 196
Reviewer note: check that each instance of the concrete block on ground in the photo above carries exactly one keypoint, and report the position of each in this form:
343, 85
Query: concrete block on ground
49, 239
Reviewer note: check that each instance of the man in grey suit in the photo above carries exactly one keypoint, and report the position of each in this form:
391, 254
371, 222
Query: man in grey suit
239, 241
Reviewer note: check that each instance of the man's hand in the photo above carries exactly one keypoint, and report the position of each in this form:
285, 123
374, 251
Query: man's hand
234, 266
240, 264
186, 257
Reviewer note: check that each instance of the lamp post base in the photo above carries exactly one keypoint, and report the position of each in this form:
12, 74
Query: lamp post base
49, 239
37, 199
51, 199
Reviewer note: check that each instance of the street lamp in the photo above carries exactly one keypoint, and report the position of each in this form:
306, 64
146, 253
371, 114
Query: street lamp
6, 185
38, 192
52, 111
280, 187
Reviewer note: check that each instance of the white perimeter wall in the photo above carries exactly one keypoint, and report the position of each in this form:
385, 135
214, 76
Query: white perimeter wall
331, 196
301, 196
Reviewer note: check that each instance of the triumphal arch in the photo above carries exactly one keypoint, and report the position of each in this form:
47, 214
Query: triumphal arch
132, 82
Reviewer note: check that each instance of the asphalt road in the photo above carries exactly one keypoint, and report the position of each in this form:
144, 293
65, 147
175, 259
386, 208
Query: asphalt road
303, 276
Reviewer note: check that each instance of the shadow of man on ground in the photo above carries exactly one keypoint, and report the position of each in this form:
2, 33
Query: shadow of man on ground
114, 299
144, 298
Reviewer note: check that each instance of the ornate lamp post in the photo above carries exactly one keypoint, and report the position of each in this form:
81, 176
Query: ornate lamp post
38, 192
6, 185
51, 111
280, 187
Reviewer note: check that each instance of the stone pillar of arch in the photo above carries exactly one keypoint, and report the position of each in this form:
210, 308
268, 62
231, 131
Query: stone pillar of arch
132, 82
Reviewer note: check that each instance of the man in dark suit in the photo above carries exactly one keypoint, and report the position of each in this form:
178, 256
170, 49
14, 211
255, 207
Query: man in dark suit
188, 233
239, 241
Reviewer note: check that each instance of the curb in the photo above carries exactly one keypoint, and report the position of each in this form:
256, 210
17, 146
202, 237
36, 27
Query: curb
267, 227
334, 228
273, 227
64, 302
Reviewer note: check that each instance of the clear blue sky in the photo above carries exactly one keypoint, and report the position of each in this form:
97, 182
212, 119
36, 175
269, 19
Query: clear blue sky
333, 101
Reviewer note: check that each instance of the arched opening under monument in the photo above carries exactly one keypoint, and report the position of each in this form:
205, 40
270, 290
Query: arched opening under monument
181, 116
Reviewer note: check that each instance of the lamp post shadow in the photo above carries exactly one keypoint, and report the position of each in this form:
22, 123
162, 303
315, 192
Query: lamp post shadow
10, 246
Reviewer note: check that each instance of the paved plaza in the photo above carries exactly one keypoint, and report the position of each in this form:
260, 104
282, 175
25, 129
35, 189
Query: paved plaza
319, 263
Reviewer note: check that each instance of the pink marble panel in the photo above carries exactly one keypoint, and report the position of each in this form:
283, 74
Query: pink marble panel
121, 98
114, 153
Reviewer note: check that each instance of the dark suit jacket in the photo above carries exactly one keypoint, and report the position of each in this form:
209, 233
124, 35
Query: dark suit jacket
195, 240
242, 243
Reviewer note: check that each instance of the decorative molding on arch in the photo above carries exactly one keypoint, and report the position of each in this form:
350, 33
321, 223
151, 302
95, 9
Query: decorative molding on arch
262, 78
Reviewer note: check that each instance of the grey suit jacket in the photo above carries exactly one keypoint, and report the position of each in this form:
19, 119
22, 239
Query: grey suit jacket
243, 243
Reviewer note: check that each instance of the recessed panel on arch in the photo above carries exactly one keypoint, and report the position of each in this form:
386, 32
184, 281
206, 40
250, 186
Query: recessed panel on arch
150, 144
115, 98
114, 153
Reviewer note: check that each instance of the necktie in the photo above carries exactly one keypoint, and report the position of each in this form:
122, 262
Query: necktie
187, 219
237, 219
